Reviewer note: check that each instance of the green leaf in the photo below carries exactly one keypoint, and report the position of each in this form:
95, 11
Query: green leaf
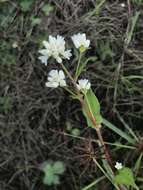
49, 174
58, 167
5, 104
130, 31
127, 126
56, 180
47, 9
48, 178
118, 131
91, 107
125, 177
25, 5
46, 167
51, 179
138, 164
75, 132
35, 20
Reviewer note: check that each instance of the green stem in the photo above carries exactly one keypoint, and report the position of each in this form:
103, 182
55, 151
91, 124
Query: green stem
72, 80
67, 72
78, 64
68, 90
107, 155
69, 75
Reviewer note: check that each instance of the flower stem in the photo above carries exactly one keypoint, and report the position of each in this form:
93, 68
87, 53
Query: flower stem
72, 80
106, 152
68, 90
66, 71
78, 64
107, 155
68, 74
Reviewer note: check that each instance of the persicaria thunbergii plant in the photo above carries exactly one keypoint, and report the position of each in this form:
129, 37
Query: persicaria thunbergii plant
80, 89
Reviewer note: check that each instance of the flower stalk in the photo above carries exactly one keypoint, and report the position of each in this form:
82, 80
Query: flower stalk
78, 65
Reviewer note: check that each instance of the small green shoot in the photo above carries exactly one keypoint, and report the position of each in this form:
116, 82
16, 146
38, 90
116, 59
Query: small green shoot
25, 5
5, 104
73, 131
47, 9
52, 172
35, 21
104, 50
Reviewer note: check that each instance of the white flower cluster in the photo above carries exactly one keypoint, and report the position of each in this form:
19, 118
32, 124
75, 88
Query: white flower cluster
80, 41
55, 79
55, 48
118, 166
83, 84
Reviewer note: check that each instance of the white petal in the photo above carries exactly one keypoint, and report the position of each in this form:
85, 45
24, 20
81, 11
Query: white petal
52, 84
84, 35
46, 44
52, 39
67, 54
59, 60
50, 79
75, 41
88, 85
87, 43
53, 73
43, 59
60, 40
61, 74
62, 83
43, 51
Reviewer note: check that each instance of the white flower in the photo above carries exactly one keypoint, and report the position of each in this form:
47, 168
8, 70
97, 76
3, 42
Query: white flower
55, 48
118, 165
15, 45
80, 41
56, 78
122, 4
83, 84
